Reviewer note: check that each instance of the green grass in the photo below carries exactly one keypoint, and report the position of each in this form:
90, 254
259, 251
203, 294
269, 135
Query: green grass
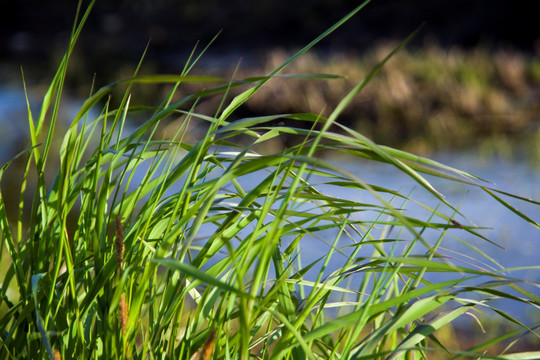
139, 246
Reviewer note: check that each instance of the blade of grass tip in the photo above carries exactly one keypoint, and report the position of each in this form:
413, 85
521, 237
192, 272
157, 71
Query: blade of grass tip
522, 198
320, 37
311, 76
399, 164
188, 66
511, 208
84, 141
376, 149
530, 295
426, 161
463, 177
34, 133
34, 152
424, 330
31, 125
214, 125
166, 79
185, 70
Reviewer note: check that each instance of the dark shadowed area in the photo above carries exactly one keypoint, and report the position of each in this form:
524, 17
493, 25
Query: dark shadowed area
36, 32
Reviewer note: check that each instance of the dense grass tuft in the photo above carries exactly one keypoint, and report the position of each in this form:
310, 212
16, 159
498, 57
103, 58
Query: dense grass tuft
139, 246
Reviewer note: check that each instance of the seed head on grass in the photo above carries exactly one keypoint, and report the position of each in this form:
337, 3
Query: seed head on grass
119, 243
57, 355
205, 353
123, 313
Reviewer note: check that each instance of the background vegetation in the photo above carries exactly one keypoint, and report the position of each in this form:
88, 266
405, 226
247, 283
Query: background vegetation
425, 101
486, 58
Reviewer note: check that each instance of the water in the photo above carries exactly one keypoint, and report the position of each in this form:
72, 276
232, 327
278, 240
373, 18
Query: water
14, 118
13, 123
520, 240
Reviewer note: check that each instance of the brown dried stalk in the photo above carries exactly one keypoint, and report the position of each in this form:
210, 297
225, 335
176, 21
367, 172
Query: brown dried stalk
119, 242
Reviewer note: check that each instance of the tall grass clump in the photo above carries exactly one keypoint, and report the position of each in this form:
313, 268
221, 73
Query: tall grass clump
144, 247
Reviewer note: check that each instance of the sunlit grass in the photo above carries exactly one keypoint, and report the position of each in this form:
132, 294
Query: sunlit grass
143, 246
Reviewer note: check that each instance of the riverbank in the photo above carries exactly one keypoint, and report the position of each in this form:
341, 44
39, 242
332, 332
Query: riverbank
424, 101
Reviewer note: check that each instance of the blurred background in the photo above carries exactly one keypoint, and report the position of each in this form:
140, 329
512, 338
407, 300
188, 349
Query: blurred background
470, 78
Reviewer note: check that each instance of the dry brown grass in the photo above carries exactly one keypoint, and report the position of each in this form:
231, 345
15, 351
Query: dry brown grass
423, 101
